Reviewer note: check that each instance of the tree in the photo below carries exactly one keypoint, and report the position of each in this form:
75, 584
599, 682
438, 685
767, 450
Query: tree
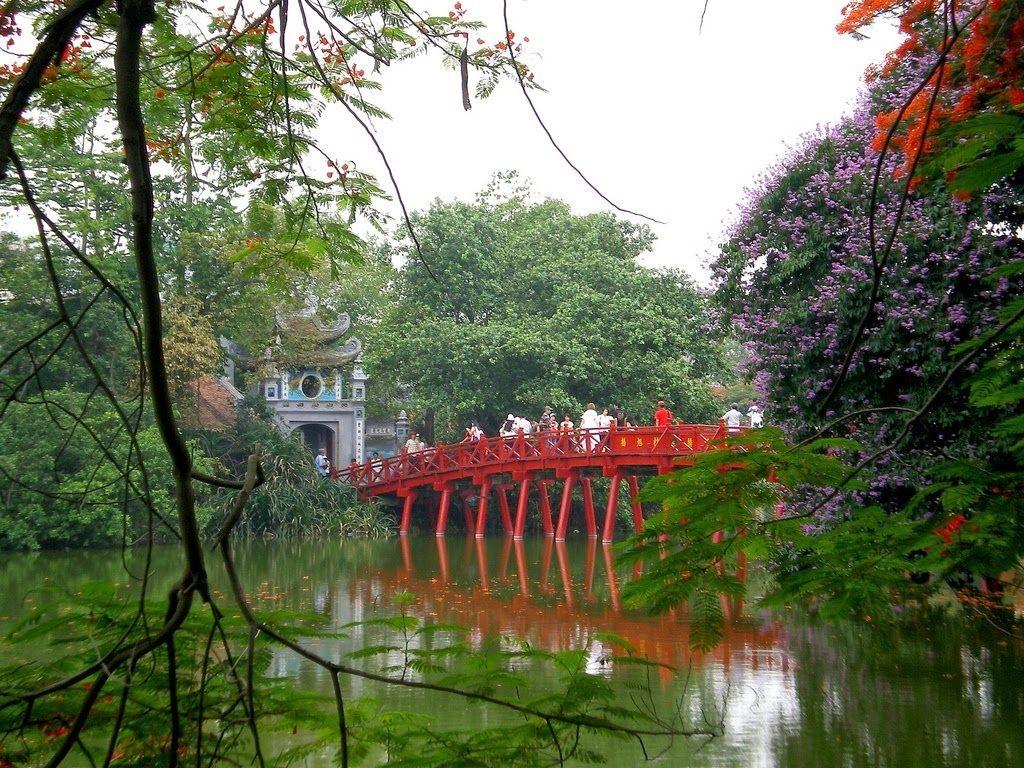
962, 118
527, 305
172, 103
792, 274
906, 311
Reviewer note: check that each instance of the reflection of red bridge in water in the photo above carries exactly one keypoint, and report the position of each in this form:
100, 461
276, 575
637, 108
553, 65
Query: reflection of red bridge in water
496, 464
524, 607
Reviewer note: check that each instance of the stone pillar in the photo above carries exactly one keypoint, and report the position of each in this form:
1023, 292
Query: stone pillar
360, 436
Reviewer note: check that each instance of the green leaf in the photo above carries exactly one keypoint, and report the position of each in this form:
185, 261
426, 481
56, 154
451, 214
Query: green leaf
984, 173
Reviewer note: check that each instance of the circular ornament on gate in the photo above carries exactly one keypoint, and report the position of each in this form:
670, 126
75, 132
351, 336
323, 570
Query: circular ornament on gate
312, 386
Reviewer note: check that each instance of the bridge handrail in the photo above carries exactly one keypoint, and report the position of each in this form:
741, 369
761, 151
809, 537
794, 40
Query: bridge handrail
674, 440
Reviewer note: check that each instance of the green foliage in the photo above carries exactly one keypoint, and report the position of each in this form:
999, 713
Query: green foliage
526, 304
294, 500
978, 152
62, 478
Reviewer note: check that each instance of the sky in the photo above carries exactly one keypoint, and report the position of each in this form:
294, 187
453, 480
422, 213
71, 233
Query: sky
663, 117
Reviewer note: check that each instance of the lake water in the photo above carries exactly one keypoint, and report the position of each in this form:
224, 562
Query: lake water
795, 692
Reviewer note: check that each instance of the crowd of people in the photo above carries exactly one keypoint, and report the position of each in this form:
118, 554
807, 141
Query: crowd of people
614, 415
548, 423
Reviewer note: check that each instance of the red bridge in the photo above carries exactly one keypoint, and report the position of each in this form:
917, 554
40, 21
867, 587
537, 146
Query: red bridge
527, 461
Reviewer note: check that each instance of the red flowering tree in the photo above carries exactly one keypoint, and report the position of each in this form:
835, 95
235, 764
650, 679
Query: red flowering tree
965, 114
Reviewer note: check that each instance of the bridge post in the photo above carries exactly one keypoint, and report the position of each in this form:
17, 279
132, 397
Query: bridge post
442, 509
634, 498
588, 508
521, 502
481, 509
545, 509
612, 508
506, 518
565, 505
407, 502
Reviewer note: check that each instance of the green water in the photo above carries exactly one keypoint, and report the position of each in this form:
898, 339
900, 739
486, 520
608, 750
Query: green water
795, 692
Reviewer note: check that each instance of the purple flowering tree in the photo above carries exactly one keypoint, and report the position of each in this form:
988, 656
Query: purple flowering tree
794, 277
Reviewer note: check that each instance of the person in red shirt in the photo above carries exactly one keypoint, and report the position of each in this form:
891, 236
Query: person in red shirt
662, 416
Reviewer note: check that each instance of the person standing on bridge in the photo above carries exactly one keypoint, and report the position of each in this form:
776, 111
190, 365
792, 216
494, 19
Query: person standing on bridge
473, 433
590, 422
547, 422
620, 417
733, 417
662, 416
756, 416
508, 427
523, 425
412, 445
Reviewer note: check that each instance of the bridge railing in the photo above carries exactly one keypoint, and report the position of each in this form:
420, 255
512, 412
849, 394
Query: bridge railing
676, 440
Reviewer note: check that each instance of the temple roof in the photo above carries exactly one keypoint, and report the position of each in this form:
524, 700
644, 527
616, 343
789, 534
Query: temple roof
320, 340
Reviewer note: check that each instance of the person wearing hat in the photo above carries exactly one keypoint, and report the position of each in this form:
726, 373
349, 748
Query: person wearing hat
547, 421
662, 416
508, 427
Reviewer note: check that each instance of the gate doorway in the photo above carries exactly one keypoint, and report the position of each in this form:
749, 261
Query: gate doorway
317, 436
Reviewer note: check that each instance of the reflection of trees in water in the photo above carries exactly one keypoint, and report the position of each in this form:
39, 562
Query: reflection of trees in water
934, 695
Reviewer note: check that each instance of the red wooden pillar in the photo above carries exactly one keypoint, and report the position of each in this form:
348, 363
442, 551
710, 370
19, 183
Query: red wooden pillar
467, 514
634, 498
506, 518
588, 508
565, 505
481, 509
442, 509
521, 502
406, 557
612, 508
545, 509
408, 501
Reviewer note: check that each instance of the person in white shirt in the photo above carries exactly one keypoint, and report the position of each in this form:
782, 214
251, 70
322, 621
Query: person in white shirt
756, 416
322, 463
605, 420
733, 418
523, 423
589, 420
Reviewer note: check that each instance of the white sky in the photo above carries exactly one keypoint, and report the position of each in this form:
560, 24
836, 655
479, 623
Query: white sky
662, 119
